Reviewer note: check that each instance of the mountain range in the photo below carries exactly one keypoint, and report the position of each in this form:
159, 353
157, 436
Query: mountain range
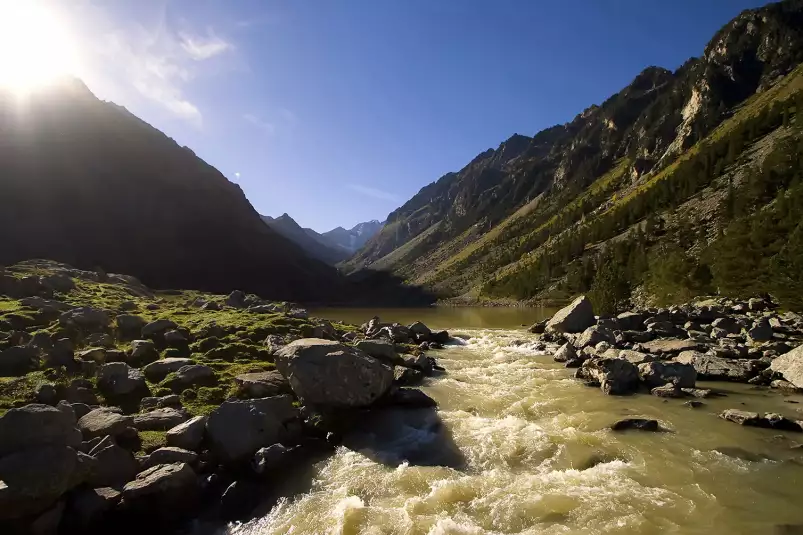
331, 247
537, 218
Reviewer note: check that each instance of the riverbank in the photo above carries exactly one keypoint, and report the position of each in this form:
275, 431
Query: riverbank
127, 409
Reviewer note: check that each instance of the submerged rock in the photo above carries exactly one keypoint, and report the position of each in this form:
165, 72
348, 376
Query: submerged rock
638, 424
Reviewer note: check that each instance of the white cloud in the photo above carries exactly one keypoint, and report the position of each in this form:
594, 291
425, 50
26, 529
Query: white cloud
202, 48
268, 128
373, 192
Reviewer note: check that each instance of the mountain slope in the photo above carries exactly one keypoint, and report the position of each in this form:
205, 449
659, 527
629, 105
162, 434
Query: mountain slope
87, 183
471, 231
310, 241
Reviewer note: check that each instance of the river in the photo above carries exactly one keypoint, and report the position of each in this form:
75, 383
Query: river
518, 446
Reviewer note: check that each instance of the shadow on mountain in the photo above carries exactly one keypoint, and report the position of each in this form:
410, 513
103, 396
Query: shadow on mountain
367, 287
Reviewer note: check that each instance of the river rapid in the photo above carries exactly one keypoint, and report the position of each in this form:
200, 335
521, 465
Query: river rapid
517, 446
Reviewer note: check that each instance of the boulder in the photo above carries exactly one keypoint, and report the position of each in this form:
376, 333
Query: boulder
660, 347
158, 328
420, 330
575, 318
119, 379
163, 490
143, 352
36, 425
407, 376
565, 353
262, 384
17, 361
639, 424
61, 354
101, 422
761, 331
129, 326
270, 459
713, 368
33, 479
636, 357
170, 400
157, 370
235, 299
187, 435
382, 350
538, 328
87, 507
100, 340
175, 338
790, 366
95, 354
114, 465
656, 374
168, 455
237, 429
332, 374
410, 398
191, 376
159, 419
593, 336
727, 324
440, 337
418, 362
669, 390
86, 319
614, 376
742, 417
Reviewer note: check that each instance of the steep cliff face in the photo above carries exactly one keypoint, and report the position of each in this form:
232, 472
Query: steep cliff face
477, 223
87, 183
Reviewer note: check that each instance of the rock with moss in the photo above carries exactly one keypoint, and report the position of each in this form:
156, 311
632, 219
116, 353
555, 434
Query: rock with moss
190, 376
87, 319
119, 380
18, 360
262, 384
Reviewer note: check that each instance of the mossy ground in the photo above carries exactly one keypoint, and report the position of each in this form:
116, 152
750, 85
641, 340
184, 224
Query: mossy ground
229, 340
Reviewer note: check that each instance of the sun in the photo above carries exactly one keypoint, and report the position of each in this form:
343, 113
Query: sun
35, 48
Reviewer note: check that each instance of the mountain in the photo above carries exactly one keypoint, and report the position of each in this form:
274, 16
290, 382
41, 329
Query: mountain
87, 183
353, 239
648, 181
314, 244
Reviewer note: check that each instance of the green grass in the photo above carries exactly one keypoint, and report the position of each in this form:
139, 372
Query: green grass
152, 440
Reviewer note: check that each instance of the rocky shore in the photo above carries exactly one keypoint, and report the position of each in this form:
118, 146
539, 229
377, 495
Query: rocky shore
127, 409
665, 351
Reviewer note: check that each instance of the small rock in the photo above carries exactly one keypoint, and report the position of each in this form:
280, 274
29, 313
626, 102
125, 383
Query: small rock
262, 384
270, 459
639, 424
170, 454
159, 419
101, 422
742, 417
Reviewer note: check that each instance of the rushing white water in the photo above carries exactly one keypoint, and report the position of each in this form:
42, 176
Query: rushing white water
519, 447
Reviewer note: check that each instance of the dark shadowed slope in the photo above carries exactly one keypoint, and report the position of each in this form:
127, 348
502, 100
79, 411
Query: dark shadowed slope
88, 183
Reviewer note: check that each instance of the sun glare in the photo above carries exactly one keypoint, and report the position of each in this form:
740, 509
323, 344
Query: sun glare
35, 48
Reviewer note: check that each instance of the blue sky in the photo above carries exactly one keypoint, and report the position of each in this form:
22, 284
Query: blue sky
338, 112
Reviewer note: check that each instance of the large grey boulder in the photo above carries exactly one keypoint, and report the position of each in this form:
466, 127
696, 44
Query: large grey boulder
262, 384
86, 319
656, 374
165, 489
575, 318
114, 466
420, 330
88, 506
191, 376
157, 370
237, 429
565, 353
158, 327
593, 336
119, 379
159, 419
614, 376
324, 372
34, 478
713, 368
37, 425
143, 352
631, 321
187, 435
382, 350
18, 360
101, 422
129, 326
636, 357
790, 366
761, 331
